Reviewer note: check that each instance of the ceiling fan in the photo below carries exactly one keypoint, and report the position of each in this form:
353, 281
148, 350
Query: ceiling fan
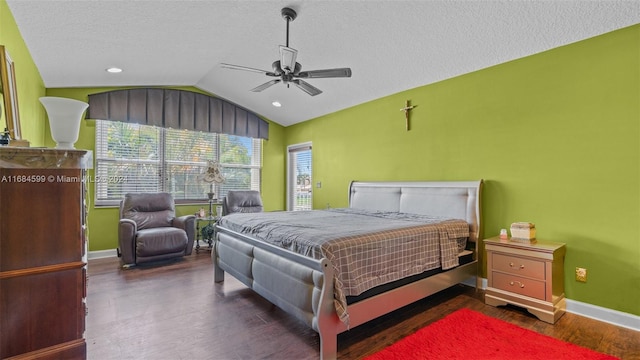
288, 71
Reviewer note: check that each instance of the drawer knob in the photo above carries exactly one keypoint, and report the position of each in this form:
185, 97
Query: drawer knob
512, 283
513, 265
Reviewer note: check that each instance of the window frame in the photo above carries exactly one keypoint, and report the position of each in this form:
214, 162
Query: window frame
164, 164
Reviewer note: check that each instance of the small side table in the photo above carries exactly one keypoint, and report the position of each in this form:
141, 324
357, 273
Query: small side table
202, 223
529, 275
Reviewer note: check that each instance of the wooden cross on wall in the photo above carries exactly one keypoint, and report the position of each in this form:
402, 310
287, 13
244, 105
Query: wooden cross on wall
408, 107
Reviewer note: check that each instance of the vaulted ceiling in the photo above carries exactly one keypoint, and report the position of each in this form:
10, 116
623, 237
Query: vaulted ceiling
390, 45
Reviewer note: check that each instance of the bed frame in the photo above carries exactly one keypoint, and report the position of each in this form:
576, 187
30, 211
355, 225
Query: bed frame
303, 287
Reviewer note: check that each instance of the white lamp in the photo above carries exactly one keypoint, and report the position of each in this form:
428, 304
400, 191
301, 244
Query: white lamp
65, 116
212, 175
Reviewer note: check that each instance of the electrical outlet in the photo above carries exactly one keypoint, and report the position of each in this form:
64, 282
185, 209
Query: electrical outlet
581, 274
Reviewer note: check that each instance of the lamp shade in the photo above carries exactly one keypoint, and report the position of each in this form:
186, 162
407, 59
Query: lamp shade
65, 116
212, 173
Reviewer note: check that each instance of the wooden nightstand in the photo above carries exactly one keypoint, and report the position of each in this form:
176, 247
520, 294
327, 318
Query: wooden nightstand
526, 275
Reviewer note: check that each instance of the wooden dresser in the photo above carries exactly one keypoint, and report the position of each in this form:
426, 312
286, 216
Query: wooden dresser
526, 275
42, 253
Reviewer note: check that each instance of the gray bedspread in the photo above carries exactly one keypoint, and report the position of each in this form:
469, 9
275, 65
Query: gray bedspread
367, 248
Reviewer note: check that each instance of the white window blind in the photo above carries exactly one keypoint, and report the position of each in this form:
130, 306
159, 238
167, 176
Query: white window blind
132, 158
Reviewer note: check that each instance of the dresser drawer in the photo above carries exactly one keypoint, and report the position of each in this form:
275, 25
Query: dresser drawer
519, 266
519, 285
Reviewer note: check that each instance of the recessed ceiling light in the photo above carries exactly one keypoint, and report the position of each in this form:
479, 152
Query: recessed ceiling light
276, 104
114, 70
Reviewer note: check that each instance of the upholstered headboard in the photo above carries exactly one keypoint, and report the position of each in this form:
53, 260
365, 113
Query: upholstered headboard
454, 199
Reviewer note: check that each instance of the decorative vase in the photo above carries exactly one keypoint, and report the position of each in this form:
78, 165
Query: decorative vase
65, 116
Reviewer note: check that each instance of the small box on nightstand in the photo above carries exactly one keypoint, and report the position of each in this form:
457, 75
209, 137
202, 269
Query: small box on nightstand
523, 231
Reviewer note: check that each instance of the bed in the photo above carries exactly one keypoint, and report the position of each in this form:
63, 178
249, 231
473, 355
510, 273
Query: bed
310, 279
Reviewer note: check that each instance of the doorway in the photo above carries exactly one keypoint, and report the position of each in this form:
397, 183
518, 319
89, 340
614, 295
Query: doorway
299, 180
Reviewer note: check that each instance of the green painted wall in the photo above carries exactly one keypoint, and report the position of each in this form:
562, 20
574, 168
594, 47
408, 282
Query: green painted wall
29, 84
554, 135
274, 159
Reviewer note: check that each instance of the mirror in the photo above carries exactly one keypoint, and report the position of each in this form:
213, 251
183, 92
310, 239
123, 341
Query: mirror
10, 115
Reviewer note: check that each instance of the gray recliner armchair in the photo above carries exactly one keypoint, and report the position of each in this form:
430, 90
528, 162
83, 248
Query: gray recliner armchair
245, 201
149, 229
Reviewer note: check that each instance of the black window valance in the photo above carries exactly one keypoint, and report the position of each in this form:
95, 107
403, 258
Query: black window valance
177, 109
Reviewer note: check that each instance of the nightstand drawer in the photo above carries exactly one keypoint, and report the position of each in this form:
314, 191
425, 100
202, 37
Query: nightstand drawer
519, 266
519, 285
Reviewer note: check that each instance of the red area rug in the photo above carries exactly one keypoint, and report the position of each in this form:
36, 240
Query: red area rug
467, 334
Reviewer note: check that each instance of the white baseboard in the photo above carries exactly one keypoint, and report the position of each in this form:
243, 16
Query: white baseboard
599, 313
610, 316
100, 254
472, 282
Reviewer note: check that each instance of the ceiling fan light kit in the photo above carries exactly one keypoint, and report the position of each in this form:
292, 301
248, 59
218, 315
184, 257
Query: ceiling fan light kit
287, 70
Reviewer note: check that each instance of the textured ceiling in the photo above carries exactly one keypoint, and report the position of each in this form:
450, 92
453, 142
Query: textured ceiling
391, 46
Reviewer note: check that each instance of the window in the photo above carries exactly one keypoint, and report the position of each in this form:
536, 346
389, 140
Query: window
299, 189
134, 158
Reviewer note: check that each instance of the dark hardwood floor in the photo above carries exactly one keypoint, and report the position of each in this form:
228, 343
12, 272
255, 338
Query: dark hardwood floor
174, 310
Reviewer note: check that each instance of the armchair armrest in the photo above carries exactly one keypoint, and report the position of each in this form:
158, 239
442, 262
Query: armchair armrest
126, 235
187, 223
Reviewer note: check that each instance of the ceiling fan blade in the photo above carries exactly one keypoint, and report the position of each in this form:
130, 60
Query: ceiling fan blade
326, 73
288, 58
245, 68
306, 87
265, 85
